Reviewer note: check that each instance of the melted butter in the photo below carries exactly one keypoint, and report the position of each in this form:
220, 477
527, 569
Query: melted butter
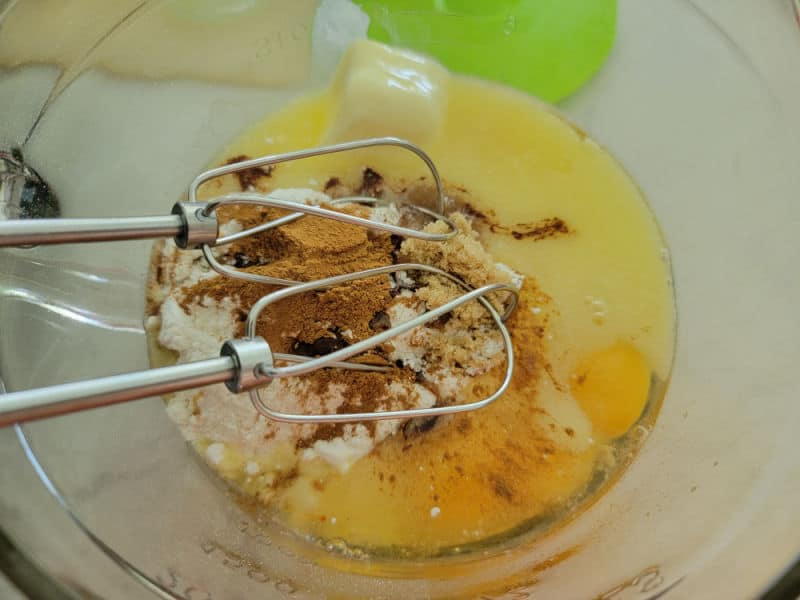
529, 458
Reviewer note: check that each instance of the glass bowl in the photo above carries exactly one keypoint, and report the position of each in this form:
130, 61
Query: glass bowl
118, 105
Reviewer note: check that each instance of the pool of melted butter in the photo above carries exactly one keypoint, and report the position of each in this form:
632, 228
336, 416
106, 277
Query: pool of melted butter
594, 332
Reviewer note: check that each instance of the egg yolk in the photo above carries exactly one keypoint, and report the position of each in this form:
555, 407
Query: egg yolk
612, 386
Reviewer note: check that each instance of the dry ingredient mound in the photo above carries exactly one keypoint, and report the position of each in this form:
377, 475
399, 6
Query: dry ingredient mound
193, 310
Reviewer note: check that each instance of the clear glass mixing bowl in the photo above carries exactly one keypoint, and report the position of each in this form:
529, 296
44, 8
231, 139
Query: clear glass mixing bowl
117, 105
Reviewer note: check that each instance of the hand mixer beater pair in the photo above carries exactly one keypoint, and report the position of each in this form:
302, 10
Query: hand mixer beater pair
248, 363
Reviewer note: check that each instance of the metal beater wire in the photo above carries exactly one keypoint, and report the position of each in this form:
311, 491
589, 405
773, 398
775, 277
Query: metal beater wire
478, 294
275, 159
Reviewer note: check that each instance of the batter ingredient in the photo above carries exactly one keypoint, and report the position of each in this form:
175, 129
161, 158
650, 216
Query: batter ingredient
537, 203
200, 309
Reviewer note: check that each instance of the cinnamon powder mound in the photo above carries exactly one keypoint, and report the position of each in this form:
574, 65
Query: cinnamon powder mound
308, 249
318, 322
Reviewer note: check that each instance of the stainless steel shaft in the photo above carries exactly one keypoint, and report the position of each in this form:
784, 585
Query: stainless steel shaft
239, 368
40, 403
69, 231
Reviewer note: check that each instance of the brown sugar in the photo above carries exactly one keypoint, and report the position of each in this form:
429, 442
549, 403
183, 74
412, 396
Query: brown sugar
463, 255
249, 178
541, 230
547, 228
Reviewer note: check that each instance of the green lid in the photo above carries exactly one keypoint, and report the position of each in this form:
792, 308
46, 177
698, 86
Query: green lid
549, 48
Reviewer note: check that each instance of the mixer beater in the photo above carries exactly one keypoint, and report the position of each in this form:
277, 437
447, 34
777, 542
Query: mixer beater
248, 363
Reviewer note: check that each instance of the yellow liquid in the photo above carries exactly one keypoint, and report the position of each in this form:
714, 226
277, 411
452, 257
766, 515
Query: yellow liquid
529, 458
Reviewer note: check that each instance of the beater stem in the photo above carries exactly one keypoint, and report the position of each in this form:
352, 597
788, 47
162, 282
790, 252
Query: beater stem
40, 403
70, 231
237, 367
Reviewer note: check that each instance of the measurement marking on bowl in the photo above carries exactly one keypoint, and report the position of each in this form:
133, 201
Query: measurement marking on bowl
650, 581
255, 570
532, 574
174, 583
